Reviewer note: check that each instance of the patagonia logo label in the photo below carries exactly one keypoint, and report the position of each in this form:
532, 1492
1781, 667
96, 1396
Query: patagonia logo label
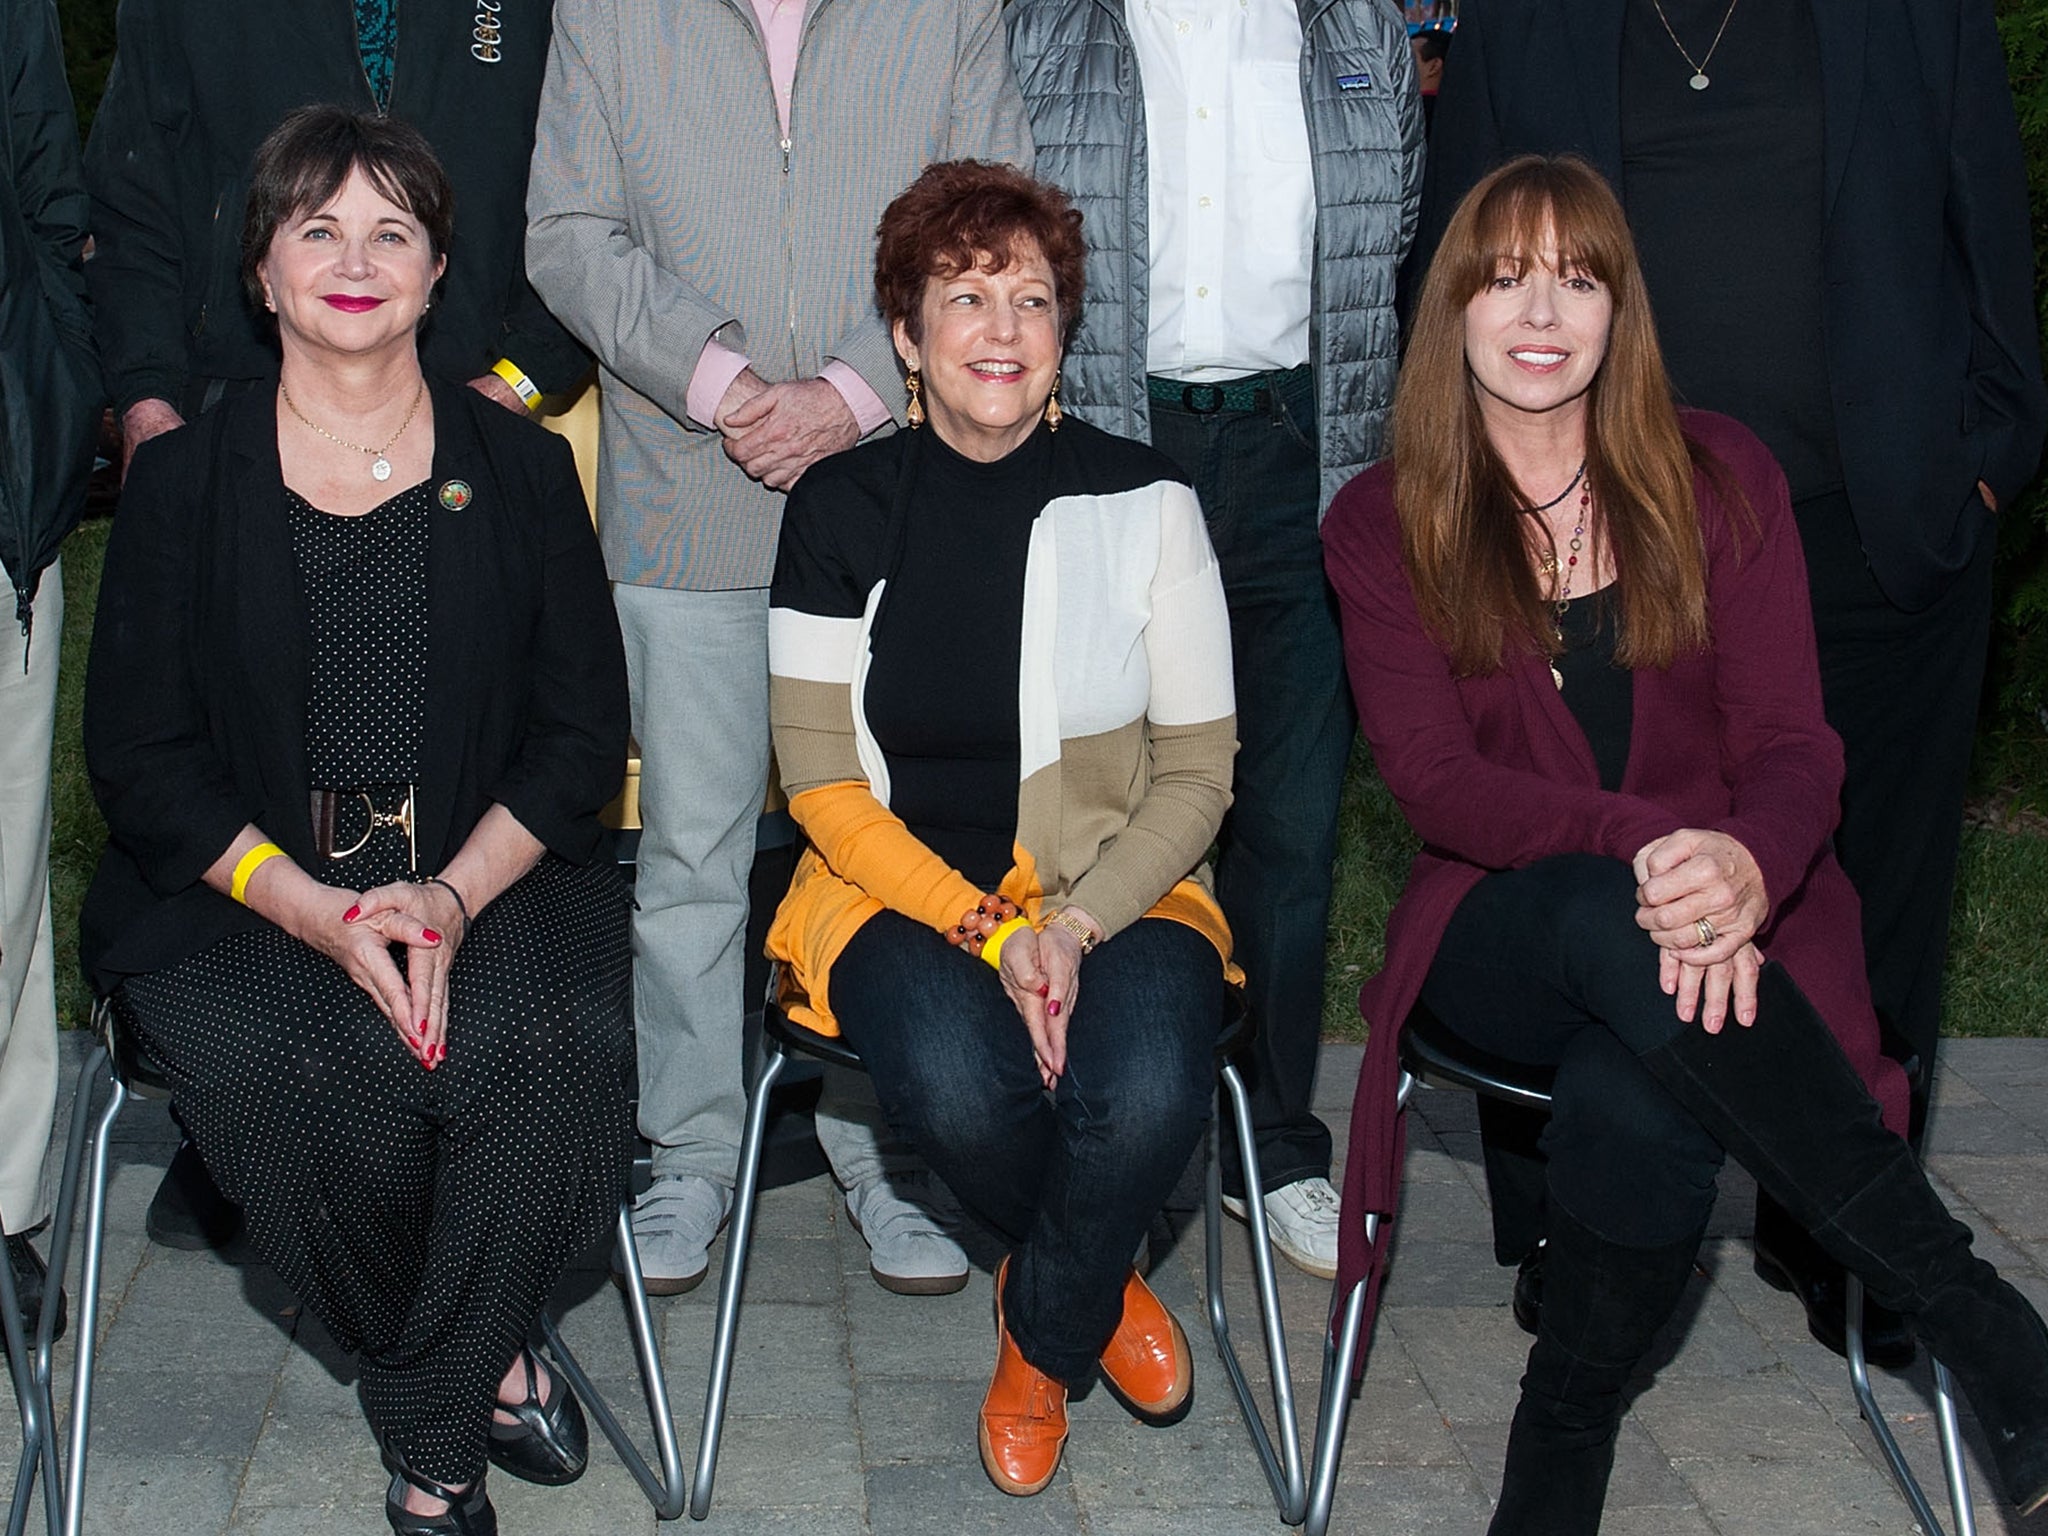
490, 32
1354, 82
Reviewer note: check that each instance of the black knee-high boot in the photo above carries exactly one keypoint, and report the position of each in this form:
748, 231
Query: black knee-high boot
1784, 1101
1602, 1306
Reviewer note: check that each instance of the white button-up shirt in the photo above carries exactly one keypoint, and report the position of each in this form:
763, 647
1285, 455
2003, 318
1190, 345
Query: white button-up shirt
1230, 197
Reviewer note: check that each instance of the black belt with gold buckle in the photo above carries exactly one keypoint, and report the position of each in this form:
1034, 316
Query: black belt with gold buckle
344, 820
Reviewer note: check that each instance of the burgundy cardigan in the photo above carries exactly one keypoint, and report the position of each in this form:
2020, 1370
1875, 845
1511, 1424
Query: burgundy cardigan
1494, 773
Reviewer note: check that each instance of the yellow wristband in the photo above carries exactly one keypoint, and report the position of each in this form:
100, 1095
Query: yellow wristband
247, 866
522, 386
992, 946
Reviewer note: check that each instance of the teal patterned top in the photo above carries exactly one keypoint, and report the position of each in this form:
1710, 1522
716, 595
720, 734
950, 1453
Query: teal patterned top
377, 42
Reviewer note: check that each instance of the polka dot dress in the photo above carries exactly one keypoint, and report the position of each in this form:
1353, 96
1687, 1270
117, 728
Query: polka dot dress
424, 1217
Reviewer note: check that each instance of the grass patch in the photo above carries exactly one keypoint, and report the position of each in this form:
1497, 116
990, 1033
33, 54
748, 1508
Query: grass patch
1997, 979
1997, 968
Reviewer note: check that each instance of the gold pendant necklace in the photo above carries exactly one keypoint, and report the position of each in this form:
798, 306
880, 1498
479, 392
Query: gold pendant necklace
1699, 80
380, 465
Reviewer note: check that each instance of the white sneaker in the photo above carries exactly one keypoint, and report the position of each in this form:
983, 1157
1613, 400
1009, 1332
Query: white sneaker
908, 1219
1301, 1220
673, 1225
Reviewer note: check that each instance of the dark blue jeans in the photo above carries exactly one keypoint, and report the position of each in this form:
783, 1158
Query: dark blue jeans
1072, 1178
1546, 965
1256, 473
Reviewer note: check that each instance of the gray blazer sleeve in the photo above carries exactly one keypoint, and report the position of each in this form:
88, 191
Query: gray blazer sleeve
645, 324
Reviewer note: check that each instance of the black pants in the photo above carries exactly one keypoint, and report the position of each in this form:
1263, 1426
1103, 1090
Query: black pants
1545, 965
422, 1216
1902, 690
1256, 473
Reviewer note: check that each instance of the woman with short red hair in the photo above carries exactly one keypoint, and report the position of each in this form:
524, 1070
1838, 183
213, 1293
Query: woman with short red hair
1001, 693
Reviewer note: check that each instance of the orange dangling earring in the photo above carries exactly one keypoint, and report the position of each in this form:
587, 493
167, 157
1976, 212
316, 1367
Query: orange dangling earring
1053, 414
914, 412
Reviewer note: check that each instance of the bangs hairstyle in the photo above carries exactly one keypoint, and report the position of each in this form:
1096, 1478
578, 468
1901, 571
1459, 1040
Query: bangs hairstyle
303, 163
964, 213
1467, 532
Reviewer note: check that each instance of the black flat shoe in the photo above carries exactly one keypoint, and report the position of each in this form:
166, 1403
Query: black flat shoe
32, 1284
550, 1443
1527, 1301
1823, 1290
469, 1513
189, 1212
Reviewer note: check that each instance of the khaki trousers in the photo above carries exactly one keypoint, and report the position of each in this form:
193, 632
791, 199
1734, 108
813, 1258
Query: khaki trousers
28, 999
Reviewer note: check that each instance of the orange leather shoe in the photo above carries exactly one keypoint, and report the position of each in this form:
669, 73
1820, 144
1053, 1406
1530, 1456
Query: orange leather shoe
1148, 1363
1024, 1416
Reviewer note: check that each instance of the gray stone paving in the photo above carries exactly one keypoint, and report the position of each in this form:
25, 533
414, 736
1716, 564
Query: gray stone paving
220, 1410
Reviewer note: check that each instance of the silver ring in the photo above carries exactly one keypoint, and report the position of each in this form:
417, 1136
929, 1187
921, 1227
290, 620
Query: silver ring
1706, 932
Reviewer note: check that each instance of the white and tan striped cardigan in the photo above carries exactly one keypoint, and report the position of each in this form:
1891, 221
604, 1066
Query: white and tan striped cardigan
1125, 706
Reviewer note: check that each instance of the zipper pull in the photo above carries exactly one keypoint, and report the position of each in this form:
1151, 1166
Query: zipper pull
785, 157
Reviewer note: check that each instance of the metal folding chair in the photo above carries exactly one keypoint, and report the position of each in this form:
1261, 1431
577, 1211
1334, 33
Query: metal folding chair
29, 1363
1279, 1452
1432, 1055
127, 1071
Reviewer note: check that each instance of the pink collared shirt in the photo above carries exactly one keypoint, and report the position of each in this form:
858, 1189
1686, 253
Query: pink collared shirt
782, 30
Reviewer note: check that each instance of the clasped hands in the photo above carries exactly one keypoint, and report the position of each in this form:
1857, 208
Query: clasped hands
1040, 971
777, 431
1691, 884
357, 931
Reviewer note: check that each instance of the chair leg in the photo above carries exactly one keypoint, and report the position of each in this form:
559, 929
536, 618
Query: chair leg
1957, 1475
666, 1490
32, 1397
738, 1238
1283, 1469
88, 1316
1343, 1337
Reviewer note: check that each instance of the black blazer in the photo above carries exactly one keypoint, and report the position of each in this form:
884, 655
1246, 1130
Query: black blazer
195, 708
1927, 260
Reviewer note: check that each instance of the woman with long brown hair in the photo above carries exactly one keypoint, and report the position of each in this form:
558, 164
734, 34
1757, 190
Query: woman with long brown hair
1576, 624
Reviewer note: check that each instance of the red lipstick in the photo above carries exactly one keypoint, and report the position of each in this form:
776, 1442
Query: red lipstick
352, 303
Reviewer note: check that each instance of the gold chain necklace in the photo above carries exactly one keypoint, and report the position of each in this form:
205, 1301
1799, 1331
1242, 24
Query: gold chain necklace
1699, 80
380, 467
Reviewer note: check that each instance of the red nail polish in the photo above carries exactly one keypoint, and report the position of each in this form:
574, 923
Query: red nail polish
1045, 991
430, 936
352, 913
1053, 1007
423, 1029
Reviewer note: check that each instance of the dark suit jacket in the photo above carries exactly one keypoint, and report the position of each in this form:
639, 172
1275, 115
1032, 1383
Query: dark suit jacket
195, 710
1927, 262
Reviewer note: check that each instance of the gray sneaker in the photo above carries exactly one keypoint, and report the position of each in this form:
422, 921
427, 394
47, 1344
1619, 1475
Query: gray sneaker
908, 1219
673, 1225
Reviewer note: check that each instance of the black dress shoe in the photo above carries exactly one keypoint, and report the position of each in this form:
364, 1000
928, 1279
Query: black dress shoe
469, 1513
1823, 1289
189, 1211
1527, 1302
550, 1443
32, 1284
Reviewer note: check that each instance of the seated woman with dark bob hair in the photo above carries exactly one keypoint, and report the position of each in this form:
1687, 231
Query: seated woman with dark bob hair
1576, 623
356, 697
1001, 694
